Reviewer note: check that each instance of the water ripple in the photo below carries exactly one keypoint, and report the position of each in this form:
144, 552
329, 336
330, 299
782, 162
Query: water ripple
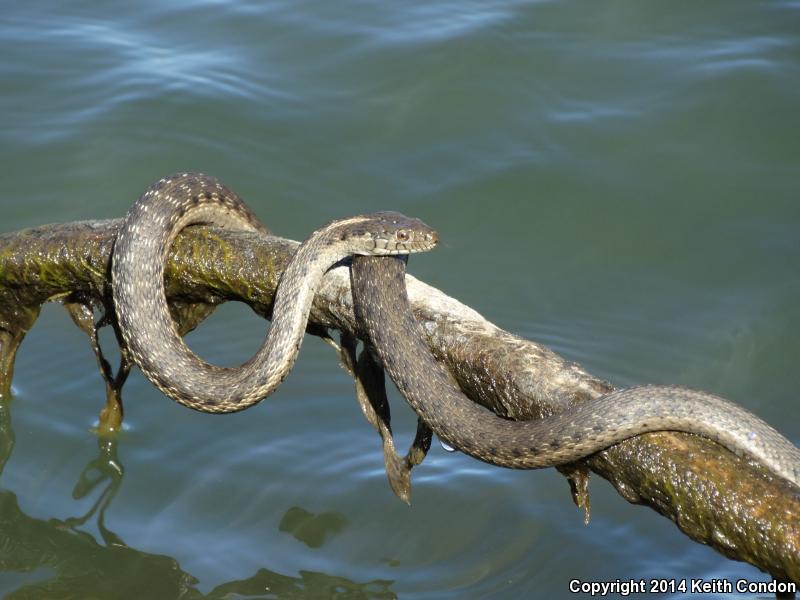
616, 180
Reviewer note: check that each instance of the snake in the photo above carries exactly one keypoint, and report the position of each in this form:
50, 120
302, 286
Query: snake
381, 305
151, 338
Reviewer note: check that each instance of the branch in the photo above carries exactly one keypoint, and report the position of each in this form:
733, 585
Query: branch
715, 498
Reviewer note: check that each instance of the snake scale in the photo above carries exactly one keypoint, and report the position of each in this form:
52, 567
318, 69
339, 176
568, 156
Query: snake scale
140, 253
558, 439
381, 303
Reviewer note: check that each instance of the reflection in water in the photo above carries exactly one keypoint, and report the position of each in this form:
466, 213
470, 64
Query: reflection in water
309, 528
105, 467
77, 566
6, 434
268, 584
81, 567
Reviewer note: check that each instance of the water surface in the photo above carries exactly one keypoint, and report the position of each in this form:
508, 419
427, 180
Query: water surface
618, 181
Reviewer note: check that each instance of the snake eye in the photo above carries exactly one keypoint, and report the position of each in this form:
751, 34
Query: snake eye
402, 235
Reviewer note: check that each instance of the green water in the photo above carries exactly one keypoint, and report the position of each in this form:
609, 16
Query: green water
616, 180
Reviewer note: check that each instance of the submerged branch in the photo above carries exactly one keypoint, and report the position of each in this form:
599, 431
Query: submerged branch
715, 498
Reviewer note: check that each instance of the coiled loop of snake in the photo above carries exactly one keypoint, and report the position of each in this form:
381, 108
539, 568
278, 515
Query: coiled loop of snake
140, 253
381, 304
380, 299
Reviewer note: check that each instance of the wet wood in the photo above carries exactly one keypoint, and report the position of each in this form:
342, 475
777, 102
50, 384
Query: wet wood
715, 498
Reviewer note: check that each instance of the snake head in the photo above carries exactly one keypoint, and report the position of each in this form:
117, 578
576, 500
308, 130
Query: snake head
389, 233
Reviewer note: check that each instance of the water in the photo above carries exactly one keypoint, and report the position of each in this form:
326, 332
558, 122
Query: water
616, 180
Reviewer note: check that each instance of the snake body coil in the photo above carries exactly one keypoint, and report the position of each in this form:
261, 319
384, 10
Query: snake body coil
381, 303
140, 253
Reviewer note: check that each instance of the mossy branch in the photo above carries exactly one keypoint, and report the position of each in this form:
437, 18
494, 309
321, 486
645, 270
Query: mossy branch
715, 498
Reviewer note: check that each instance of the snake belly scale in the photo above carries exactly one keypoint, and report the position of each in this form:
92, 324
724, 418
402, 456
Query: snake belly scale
381, 304
140, 253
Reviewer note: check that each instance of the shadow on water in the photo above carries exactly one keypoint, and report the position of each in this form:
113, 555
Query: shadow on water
71, 563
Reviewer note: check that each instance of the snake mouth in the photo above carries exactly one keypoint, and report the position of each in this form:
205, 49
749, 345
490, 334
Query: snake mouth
427, 246
419, 242
427, 243
414, 248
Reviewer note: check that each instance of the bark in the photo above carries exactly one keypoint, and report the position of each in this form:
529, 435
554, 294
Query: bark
731, 504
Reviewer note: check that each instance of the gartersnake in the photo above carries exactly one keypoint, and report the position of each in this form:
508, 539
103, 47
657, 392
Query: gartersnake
381, 304
140, 253
380, 300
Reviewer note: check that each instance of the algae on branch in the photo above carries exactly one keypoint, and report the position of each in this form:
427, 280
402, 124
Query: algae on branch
714, 497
